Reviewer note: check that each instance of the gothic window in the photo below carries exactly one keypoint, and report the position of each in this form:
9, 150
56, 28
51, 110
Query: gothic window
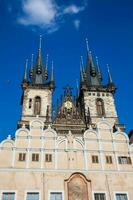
37, 106
100, 107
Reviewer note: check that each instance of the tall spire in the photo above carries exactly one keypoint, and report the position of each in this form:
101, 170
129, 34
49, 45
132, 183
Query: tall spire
40, 42
25, 72
87, 46
109, 75
39, 63
81, 74
46, 68
52, 72
31, 68
98, 70
90, 60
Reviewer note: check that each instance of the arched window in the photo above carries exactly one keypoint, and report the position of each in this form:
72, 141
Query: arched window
100, 107
37, 106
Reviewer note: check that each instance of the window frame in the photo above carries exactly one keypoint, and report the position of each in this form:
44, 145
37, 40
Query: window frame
36, 100
35, 160
32, 191
8, 191
56, 191
128, 160
109, 159
99, 192
121, 192
48, 161
23, 154
102, 106
97, 159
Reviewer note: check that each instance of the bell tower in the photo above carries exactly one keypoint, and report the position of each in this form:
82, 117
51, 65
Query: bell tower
37, 91
96, 99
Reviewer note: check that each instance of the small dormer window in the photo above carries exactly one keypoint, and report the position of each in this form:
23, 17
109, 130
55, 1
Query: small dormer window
100, 107
37, 106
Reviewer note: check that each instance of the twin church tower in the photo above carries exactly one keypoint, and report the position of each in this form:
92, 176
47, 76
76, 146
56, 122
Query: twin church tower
95, 100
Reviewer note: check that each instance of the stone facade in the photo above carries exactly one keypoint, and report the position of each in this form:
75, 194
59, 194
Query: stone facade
71, 156
109, 105
46, 100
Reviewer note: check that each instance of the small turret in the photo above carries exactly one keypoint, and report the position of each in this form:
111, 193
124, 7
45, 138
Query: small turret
25, 72
99, 74
31, 68
25, 79
52, 81
111, 85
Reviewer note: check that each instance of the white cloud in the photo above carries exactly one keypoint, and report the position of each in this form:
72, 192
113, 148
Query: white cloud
41, 13
46, 14
77, 24
73, 9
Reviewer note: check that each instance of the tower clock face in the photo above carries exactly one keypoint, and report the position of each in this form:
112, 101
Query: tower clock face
68, 104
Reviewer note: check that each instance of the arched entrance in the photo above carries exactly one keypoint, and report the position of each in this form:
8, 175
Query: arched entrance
78, 187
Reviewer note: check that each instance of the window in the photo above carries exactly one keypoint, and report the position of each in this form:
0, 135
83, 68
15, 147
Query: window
37, 106
30, 103
22, 156
56, 196
100, 107
35, 157
8, 196
48, 157
32, 196
95, 159
99, 196
124, 160
109, 159
121, 197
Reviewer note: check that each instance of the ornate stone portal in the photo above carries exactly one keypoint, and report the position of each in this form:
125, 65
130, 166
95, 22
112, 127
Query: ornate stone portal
77, 187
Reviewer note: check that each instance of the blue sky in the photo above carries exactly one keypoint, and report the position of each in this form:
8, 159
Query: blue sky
108, 25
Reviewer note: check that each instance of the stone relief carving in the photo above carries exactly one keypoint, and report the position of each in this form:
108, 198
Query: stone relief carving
77, 188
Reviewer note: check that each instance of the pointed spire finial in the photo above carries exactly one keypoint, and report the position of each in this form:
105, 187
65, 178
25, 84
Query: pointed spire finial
31, 68
97, 61
77, 85
32, 59
40, 42
82, 64
87, 46
98, 69
81, 73
47, 57
25, 73
52, 71
109, 74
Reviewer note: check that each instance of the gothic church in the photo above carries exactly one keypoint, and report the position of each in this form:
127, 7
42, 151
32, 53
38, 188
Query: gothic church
77, 152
